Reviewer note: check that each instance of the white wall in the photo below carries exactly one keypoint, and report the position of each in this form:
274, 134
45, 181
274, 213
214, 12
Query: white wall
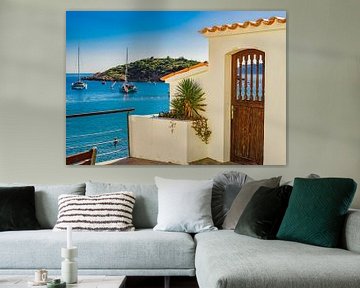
218, 84
164, 140
323, 90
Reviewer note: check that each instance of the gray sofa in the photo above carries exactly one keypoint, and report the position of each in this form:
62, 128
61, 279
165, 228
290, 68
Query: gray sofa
226, 259
218, 259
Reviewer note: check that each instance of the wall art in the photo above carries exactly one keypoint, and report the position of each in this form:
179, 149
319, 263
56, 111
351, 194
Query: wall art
175, 87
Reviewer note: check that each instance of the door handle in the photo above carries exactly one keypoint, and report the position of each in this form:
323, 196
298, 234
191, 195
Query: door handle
232, 112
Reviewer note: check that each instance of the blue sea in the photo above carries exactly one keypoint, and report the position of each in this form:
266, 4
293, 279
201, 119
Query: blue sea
83, 133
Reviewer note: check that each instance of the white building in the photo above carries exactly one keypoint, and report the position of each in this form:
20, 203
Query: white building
246, 110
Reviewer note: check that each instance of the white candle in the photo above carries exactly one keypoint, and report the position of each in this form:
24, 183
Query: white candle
69, 237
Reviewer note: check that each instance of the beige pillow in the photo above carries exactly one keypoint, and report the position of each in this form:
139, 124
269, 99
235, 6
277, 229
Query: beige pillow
243, 198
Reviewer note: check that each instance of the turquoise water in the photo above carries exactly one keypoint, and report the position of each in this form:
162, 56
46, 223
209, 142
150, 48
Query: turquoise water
85, 132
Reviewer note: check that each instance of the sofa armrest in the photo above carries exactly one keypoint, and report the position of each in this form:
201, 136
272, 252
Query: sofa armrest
351, 234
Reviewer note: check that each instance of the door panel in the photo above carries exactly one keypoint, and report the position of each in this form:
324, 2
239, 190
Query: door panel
248, 100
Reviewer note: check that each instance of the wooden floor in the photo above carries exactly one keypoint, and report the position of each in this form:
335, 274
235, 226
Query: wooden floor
158, 282
209, 161
139, 161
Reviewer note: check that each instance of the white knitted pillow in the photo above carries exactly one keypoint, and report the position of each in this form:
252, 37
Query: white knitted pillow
105, 212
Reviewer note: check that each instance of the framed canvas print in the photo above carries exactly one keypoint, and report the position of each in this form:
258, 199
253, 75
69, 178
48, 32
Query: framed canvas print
175, 87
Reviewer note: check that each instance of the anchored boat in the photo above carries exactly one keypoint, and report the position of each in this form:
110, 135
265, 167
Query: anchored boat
78, 85
127, 87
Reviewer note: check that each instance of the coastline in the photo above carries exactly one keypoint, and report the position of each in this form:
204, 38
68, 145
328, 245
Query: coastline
142, 70
109, 79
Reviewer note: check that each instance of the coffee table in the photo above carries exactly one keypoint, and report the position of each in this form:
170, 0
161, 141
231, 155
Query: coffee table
84, 281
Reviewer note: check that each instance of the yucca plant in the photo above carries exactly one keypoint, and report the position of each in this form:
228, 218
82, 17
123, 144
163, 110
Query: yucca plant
187, 105
188, 100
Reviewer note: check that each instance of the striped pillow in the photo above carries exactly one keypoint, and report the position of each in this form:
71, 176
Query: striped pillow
105, 212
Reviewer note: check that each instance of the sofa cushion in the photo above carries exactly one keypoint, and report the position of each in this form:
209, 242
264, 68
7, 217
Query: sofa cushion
184, 205
243, 198
225, 259
105, 212
225, 189
143, 249
46, 200
317, 210
350, 239
146, 205
310, 176
263, 215
17, 208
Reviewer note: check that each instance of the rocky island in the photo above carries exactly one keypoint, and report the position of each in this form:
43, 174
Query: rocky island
144, 70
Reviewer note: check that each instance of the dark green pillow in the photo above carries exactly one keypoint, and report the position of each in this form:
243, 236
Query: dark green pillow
17, 209
316, 211
263, 214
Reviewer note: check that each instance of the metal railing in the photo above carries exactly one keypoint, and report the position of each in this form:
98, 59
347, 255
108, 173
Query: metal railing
126, 110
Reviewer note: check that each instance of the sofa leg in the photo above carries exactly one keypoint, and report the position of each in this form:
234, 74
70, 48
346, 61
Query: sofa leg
167, 282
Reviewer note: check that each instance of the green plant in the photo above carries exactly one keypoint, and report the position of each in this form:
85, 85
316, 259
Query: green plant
200, 125
187, 105
188, 100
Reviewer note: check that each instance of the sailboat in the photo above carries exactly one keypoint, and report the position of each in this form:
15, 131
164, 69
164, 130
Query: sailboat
127, 87
78, 85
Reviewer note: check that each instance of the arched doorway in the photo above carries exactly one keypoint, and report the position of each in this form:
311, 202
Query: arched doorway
247, 107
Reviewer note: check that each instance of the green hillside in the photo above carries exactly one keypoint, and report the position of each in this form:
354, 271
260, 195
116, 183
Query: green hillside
149, 69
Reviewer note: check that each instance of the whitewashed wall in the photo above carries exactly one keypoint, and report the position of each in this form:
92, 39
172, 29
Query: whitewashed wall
165, 140
221, 48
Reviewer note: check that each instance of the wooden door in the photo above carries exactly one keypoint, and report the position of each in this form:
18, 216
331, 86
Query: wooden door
247, 107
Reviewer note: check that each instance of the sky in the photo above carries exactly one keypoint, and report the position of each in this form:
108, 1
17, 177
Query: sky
103, 36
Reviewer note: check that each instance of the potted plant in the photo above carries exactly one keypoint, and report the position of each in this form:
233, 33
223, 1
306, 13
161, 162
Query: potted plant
187, 104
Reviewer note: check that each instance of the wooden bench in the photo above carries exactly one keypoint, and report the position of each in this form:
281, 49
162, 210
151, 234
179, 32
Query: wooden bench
84, 158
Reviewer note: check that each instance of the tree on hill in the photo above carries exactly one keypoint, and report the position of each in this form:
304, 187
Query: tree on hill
148, 69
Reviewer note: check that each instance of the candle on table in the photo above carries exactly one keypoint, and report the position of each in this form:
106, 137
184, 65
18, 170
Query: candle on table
69, 237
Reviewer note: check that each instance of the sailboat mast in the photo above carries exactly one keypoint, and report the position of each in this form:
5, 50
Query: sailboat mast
126, 65
78, 63
78, 85
127, 87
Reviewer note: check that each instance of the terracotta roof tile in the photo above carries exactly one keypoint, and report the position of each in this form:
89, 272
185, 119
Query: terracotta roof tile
201, 64
246, 24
